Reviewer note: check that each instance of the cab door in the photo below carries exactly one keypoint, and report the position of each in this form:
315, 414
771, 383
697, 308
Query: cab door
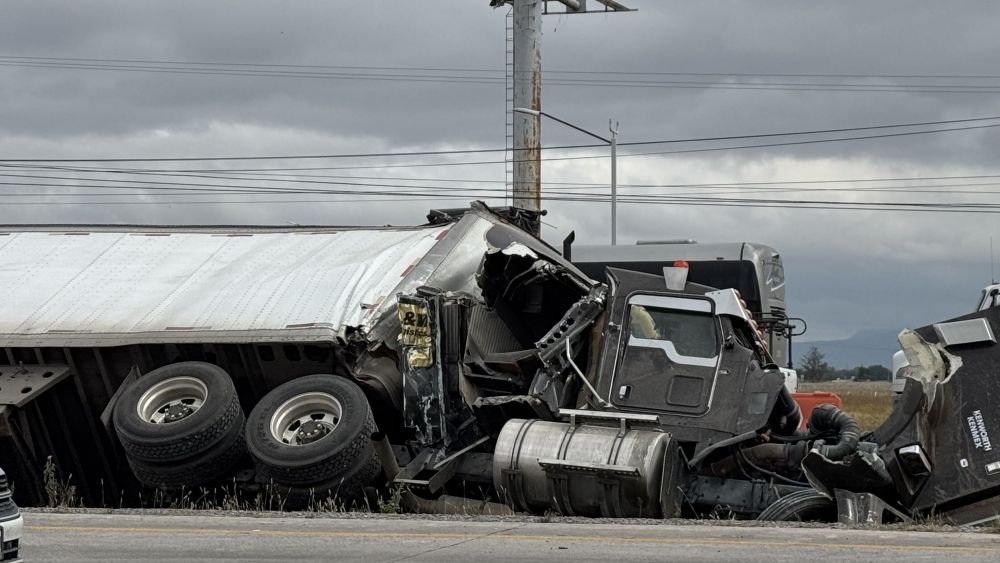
669, 360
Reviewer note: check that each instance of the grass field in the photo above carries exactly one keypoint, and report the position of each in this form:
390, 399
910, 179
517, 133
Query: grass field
869, 402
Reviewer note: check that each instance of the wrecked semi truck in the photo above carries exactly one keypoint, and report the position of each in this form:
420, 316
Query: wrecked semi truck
464, 362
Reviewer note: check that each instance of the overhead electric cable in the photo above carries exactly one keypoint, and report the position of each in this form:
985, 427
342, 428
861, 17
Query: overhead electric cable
492, 77
636, 143
498, 70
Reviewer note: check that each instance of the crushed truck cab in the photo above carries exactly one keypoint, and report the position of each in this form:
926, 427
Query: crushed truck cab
612, 404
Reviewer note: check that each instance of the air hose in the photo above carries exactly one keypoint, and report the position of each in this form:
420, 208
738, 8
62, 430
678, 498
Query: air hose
828, 418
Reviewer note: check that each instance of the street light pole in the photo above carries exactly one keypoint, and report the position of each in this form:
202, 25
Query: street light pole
613, 141
614, 182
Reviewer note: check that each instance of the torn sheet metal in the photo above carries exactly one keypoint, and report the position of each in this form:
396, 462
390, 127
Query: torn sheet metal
865, 509
431, 338
518, 249
861, 471
423, 400
930, 363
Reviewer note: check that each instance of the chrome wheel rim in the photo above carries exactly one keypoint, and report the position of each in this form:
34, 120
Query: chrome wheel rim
305, 418
172, 399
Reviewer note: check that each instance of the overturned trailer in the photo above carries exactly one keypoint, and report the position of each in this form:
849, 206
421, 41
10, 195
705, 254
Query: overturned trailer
463, 358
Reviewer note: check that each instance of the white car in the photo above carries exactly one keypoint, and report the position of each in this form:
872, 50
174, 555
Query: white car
11, 524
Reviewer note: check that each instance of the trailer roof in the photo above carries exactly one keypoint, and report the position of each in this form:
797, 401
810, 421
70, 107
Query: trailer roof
114, 285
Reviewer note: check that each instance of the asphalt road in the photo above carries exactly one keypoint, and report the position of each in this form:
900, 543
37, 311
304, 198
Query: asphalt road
97, 537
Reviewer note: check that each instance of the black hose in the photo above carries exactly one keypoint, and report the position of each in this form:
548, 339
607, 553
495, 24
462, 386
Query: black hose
786, 416
828, 417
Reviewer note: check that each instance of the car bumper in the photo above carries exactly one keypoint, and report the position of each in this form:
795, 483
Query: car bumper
10, 539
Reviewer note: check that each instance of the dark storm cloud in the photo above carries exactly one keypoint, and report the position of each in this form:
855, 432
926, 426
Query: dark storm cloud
784, 37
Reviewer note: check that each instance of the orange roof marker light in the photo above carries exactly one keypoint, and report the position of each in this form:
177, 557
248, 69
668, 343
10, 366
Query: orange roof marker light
676, 276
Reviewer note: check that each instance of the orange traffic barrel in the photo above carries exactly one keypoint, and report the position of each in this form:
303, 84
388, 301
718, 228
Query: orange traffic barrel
808, 401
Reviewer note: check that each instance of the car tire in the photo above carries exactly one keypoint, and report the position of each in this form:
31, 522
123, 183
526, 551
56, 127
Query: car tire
314, 433
177, 412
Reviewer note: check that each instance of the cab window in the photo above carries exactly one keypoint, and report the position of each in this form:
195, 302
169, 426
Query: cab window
692, 334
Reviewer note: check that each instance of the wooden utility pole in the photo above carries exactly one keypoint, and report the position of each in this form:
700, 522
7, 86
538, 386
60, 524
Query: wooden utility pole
525, 154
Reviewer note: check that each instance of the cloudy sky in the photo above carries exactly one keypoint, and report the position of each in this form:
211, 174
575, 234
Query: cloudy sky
102, 79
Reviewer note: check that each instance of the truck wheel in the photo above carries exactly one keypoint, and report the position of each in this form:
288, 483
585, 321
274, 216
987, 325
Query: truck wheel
801, 506
348, 492
311, 432
196, 471
177, 412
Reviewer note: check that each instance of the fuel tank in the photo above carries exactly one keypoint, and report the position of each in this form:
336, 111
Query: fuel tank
586, 469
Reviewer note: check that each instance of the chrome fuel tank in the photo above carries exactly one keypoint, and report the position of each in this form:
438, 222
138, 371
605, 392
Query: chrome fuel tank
585, 469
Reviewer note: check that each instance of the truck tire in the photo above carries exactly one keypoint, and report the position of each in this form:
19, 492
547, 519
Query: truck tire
801, 506
348, 492
312, 431
198, 470
177, 412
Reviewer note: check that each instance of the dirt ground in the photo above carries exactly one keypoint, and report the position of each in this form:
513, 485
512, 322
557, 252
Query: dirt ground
869, 402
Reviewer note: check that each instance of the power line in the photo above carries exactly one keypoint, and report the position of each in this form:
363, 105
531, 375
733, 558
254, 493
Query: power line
839, 206
215, 189
477, 76
197, 187
499, 70
270, 175
159, 191
635, 143
772, 185
736, 187
261, 65
31, 173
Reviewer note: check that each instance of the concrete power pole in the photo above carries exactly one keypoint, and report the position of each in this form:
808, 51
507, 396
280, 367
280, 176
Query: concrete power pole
527, 90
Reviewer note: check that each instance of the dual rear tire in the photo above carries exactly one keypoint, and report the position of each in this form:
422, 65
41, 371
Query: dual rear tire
182, 426
311, 438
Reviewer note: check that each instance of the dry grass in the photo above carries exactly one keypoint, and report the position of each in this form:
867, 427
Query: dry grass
869, 402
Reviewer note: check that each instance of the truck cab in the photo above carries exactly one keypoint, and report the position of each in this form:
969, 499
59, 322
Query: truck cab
753, 269
693, 357
670, 380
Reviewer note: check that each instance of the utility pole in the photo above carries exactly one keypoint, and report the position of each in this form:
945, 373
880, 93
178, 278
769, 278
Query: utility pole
526, 53
527, 188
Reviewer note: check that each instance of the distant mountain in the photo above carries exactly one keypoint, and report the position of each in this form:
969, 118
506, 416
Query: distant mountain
865, 348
